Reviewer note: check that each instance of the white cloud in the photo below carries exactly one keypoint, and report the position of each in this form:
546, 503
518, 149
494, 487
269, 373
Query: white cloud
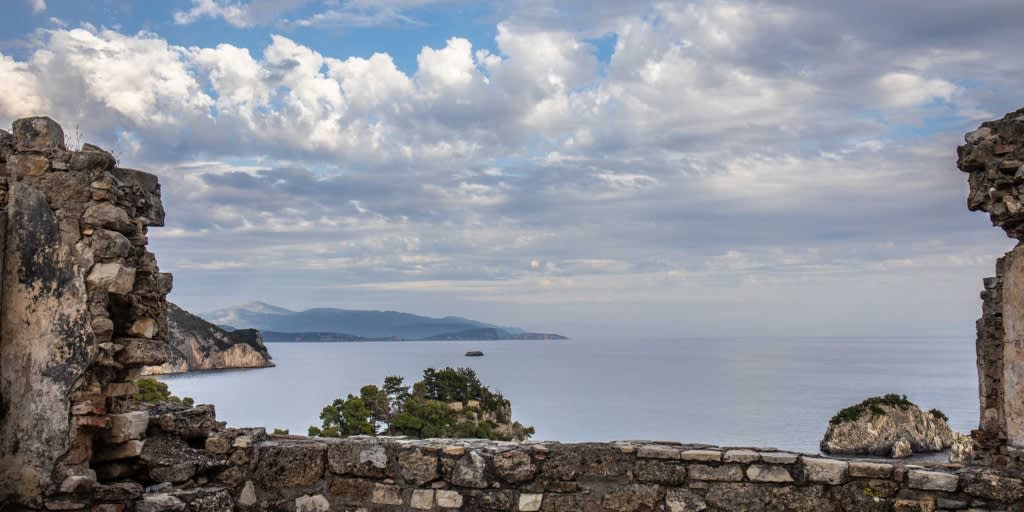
38, 6
902, 89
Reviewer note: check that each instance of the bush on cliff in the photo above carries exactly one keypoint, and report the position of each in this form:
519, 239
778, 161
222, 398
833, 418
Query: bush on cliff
445, 403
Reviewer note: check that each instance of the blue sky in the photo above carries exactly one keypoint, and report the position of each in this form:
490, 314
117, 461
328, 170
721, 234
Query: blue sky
718, 167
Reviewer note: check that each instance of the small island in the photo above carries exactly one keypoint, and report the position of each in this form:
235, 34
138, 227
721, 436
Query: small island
474, 353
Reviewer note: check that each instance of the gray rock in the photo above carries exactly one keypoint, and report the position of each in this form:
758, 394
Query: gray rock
683, 500
106, 215
159, 503
931, 480
470, 471
38, 134
772, 473
289, 464
141, 352
126, 426
314, 503
418, 467
514, 466
827, 471
962, 449
901, 449
112, 278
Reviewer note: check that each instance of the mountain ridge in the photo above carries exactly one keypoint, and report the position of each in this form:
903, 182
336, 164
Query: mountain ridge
337, 324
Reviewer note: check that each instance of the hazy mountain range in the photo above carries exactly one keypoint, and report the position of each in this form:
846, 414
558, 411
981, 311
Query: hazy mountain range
331, 324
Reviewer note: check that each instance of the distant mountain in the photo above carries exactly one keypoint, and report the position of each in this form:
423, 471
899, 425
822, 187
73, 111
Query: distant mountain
490, 333
330, 324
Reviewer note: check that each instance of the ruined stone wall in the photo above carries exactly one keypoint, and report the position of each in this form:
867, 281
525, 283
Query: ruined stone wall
993, 156
82, 307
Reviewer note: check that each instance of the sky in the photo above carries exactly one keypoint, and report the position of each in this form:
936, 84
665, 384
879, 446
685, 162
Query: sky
593, 168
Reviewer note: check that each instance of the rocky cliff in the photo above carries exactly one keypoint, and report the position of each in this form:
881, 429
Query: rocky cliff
199, 345
886, 426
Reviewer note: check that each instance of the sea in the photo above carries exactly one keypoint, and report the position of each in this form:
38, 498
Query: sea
730, 391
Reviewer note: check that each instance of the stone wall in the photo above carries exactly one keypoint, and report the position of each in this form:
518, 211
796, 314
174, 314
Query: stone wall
993, 157
82, 307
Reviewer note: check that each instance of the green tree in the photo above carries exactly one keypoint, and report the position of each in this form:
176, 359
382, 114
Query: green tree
450, 402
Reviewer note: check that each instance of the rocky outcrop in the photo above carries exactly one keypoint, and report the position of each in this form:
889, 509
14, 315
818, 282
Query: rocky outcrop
886, 426
199, 345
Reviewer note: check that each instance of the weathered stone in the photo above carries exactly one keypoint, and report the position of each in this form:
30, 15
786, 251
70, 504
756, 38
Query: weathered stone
768, 473
470, 471
683, 500
488, 500
127, 426
962, 449
860, 469
159, 503
38, 134
456, 451
176, 473
514, 466
660, 471
21, 165
826, 471
418, 467
119, 491
125, 450
701, 455
914, 505
142, 352
64, 504
284, 464
992, 486
102, 328
632, 498
931, 480
247, 497
188, 422
723, 473
448, 499
77, 484
218, 445
149, 205
742, 456
112, 278
120, 389
108, 244
91, 158
657, 451
360, 457
106, 215
530, 502
779, 457
315, 503
422, 499
387, 494
351, 489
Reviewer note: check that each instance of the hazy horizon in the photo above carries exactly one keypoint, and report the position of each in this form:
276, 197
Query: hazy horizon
600, 168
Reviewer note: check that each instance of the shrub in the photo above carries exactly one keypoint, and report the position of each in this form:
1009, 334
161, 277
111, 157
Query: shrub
153, 391
874, 405
939, 415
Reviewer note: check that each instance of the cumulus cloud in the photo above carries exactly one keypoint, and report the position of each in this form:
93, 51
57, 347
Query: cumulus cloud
725, 150
38, 6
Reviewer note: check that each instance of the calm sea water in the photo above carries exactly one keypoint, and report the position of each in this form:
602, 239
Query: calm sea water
727, 391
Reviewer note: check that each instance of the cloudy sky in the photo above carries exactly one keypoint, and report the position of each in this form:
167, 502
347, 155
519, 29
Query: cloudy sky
587, 167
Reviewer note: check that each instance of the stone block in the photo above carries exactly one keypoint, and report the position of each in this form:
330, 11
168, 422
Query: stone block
384, 494
632, 498
742, 456
470, 471
127, 426
143, 327
159, 502
422, 499
860, 469
366, 457
779, 457
827, 471
701, 455
21, 165
931, 480
418, 467
530, 502
684, 500
120, 491
218, 445
657, 451
106, 215
142, 352
314, 503
448, 499
125, 450
723, 473
286, 464
112, 278
514, 466
247, 497
772, 473
38, 134
350, 489
119, 389
663, 472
